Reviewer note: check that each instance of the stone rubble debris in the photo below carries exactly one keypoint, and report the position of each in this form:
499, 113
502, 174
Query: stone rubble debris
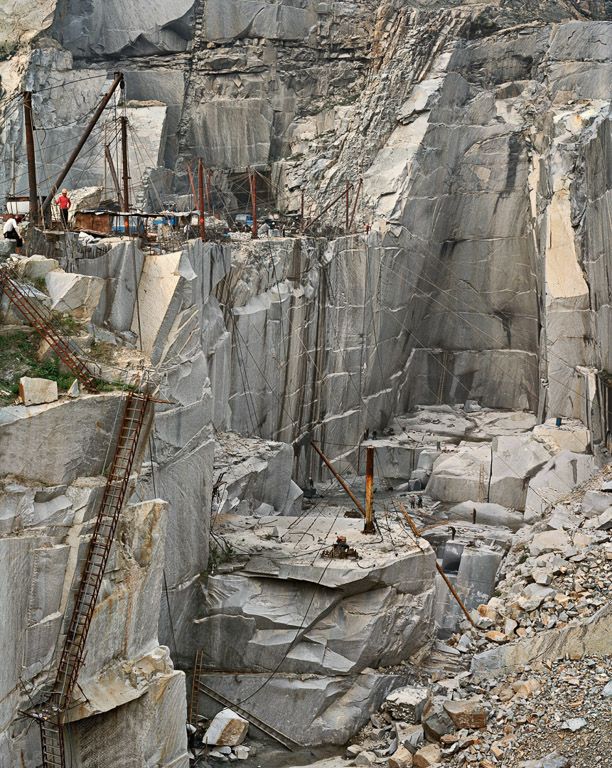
546, 708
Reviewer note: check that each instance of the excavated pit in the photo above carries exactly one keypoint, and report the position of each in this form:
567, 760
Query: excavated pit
460, 328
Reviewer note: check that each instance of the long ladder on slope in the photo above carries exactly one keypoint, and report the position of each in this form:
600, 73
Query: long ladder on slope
71, 660
269, 730
195, 683
39, 317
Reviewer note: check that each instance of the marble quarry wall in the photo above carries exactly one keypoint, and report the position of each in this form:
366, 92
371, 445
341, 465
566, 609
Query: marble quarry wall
48, 503
478, 270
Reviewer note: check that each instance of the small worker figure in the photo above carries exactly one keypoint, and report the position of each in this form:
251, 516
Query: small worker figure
64, 203
11, 230
420, 502
412, 502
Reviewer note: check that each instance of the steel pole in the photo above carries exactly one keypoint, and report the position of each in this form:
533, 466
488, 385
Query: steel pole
347, 193
31, 157
347, 490
126, 173
439, 568
113, 173
201, 199
369, 526
302, 212
90, 126
253, 182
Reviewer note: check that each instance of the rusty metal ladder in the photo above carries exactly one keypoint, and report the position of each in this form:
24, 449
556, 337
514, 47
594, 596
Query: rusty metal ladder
269, 730
37, 315
71, 659
195, 687
52, 742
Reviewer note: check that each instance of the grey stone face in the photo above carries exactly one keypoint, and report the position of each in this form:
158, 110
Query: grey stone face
90, 29
482, 132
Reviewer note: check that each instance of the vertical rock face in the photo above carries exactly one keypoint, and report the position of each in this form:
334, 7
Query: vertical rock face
46, 523
482, 133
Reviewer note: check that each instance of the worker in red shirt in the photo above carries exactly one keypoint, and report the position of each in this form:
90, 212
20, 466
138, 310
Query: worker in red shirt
64, 203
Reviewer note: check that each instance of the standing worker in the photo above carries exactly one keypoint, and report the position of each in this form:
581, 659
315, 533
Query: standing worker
64, 203
11, 231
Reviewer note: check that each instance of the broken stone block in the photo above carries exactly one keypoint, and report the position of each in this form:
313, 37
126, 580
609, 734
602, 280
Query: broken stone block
515, 459
594, 503
436, 721
427, 756
552, 760
352, 751
365, 758
227, 729
551, 483
466, 713
525, 688
407, 703
36, 267
602, 522
573, 724
549, 541
409, 736
77, 294
572, 436
533, 596
401, 758
241, 752
7, 248
74, 390
458, 476
37, 391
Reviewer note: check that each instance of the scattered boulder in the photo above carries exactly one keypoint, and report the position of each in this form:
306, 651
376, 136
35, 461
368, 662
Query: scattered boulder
407, 703
466, 713
401, 758
549, 541
241, 752
36, 267
77, 294
573, 724
366, 758
409, 736
74, 390
602, 522
594, 503
436, 721
227, 729
533, 596
552, 760
427, 756
37, 391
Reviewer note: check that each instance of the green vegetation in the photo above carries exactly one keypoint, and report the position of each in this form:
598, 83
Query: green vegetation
18, 357
220, 552
39, 283
101, 351
113, 386
66, 324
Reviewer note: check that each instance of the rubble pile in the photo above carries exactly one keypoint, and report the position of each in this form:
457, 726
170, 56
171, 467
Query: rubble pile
538, 692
